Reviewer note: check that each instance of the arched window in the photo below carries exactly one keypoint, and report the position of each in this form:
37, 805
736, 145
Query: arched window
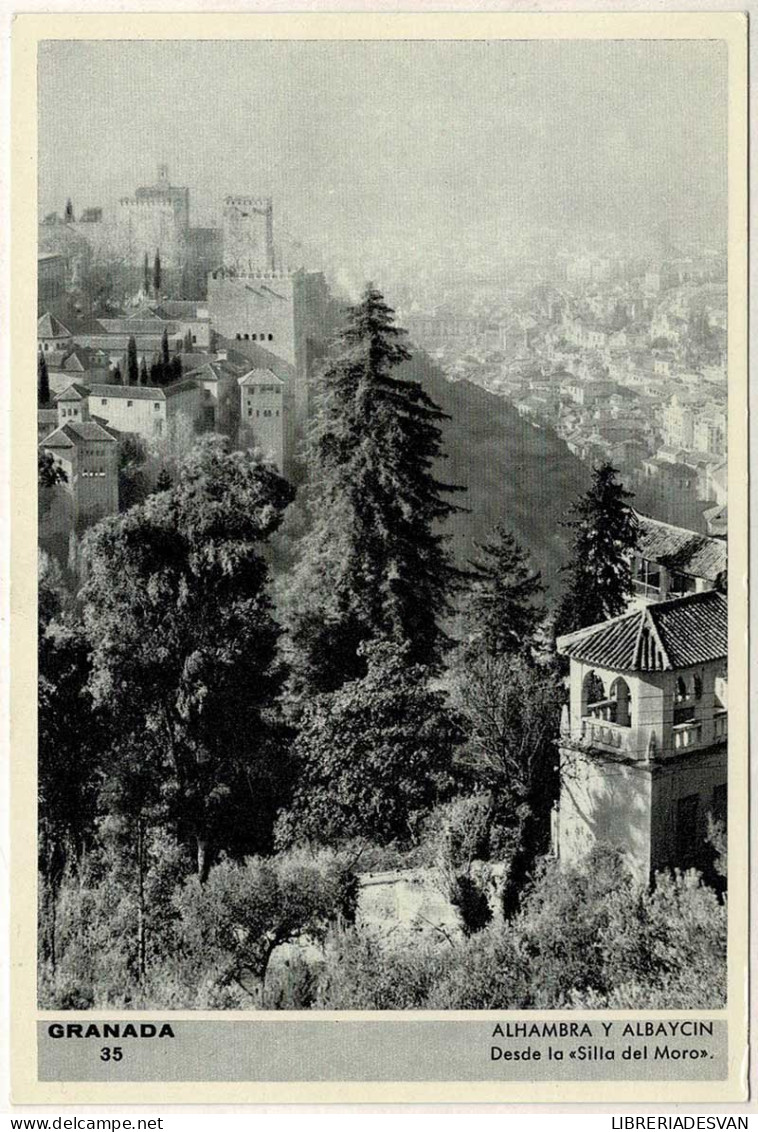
255, 337
271, 337
623, 699
593, 693
681, 690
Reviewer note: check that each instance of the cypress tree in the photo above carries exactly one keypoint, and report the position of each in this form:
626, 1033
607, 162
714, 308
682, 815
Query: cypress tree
157, 274
132, 364
43, 381
165, 354
374, 564
600, 571
116, 378
146, 276
143, 374
69, 214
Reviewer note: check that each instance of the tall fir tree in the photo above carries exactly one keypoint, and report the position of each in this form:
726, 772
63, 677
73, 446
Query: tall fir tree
43, 381
501, 613
374, 564
157, 274
132, 363
600, 571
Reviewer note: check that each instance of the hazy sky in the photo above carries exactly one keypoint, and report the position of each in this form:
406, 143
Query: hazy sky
386, 142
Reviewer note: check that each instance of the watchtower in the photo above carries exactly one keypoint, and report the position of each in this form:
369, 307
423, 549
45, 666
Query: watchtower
644, 738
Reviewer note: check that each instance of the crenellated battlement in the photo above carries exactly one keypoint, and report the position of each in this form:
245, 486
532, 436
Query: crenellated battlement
150, 204
262, 204
234, 273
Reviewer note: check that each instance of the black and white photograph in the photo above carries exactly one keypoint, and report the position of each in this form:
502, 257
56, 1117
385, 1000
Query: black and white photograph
382, 525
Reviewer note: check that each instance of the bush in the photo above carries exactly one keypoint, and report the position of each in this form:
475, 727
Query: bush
231, 925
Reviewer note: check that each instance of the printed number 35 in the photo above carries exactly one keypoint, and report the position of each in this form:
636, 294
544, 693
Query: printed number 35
108, 1054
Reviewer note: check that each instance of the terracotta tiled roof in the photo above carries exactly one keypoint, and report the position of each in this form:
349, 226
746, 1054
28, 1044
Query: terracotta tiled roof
68, 435
670, 635
74, 392
260, 377
128, 392
681, 550
48, 326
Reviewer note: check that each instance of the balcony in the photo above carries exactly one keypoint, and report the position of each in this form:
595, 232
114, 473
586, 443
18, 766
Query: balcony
686, 735
605, 734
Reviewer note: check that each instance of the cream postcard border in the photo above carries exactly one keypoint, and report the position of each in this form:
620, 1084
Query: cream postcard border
27, 31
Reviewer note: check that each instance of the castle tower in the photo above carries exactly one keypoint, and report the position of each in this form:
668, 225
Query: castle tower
643, 744
248, 233
266, 416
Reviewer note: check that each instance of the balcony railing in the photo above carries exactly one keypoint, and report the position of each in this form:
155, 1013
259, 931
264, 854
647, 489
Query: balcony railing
603, 709
686, 735
602, 733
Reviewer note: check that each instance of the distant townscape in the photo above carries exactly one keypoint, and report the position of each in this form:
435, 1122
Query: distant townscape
383, 636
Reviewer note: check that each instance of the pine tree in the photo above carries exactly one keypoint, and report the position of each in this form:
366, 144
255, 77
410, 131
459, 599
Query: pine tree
501, 612
157, 274
43, 381
374, 565
600, 571
132, 364
143, 374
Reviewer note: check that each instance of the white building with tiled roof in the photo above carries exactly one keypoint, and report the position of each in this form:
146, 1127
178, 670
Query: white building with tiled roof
671, 561
137, 409
644, 738
87, 452
52, 336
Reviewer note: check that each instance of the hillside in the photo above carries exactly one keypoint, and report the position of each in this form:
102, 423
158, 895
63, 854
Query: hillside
515, 473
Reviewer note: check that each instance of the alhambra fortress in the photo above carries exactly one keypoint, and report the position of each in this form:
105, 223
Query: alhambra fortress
643, 736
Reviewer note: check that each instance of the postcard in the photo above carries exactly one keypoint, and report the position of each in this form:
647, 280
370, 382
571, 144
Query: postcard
379, 662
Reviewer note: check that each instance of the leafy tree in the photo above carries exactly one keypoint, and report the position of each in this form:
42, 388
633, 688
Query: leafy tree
157, 274
163, 482
132, 363
600, 571
48, 472
184, 643
233, 924
500, 611
510, 711
374, 564
133, 486
372, 756
43, 381
69, 735
175, 368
